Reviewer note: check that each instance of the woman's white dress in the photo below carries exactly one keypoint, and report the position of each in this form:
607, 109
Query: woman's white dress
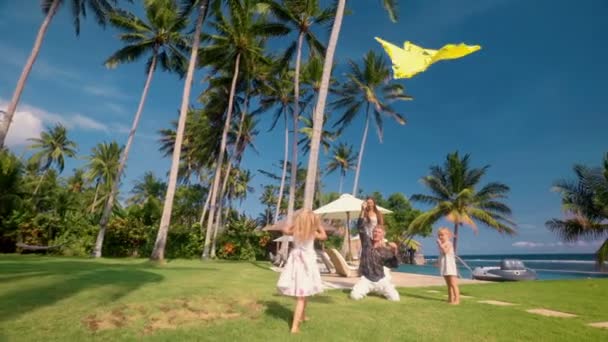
300, 276
370, 225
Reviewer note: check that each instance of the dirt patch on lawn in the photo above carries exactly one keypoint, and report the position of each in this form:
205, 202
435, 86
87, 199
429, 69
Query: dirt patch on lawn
172, 314
550, 313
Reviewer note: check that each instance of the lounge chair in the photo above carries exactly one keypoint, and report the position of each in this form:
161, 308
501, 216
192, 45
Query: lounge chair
342, 267
322, 255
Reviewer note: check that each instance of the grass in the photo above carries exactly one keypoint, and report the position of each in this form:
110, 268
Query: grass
70, 299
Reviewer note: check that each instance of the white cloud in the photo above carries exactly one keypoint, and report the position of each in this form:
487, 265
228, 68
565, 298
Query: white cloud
116, 108
104, 91
63, 75
29, 121
25, 125
42, 69
86, 123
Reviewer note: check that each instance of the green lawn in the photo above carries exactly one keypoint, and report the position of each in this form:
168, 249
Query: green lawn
69, 299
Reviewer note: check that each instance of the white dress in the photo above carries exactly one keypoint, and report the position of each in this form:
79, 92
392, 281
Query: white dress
447, 264
370, 225
300, 276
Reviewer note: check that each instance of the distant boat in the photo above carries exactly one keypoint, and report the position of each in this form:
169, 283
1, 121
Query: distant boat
509, 270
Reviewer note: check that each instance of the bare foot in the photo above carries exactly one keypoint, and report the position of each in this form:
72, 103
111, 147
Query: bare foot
295, 331
455, 303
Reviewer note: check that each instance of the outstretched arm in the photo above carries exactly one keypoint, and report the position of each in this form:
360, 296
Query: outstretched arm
287, 230
320, 234
366, 240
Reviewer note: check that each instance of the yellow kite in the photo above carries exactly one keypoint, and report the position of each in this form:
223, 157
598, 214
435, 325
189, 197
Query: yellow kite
413, 59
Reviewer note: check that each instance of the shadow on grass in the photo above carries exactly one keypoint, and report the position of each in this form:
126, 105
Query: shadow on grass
261, 264
64, 279
409, 295
277, 310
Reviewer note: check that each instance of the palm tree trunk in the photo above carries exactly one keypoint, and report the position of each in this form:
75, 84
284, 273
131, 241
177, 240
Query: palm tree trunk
220, 160
455, 239
107, 210
284, 174
5, 123
294, 143
313, 155
205, 206
218, 221
158, 253
95, 197
341, 182
40, 182
318, 188
361, 149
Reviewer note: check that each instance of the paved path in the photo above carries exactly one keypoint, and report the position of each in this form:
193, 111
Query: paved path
400, 279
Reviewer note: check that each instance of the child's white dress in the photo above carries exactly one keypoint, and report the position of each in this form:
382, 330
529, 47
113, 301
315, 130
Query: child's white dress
447, 264
301, 276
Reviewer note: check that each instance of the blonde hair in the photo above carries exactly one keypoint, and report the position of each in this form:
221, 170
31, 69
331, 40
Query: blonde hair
305, 225
445, 230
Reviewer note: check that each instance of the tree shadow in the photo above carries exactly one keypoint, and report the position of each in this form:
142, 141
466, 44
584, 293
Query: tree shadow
68, 278
424, 297
277, 310
263, 265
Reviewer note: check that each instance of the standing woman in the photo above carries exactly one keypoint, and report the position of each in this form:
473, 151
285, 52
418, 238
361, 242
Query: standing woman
371, 215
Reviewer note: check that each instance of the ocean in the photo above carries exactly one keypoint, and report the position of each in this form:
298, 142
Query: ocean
547, 266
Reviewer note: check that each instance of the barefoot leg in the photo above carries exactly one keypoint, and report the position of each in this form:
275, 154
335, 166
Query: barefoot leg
456, 290
297, 315
449, 286
304, 318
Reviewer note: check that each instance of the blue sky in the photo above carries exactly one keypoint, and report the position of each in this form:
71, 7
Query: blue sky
531, 103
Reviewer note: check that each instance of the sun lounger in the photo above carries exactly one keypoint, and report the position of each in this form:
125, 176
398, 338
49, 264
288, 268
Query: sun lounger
342, 267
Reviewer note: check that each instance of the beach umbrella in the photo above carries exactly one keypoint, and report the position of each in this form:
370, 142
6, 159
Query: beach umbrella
346, 205
344, 208
284, 238
282, 224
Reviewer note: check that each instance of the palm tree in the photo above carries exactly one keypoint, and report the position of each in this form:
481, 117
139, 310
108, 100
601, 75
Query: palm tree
327, 137
238, 38
585, 203
277, 92
342, 158
77, 181
54, 146
161, 239
301, 15
454, 196
369, 88
148, 189
317, 118
103, 167
100, 8
160, 37
313, 156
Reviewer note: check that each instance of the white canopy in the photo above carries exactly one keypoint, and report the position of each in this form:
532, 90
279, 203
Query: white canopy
347, 203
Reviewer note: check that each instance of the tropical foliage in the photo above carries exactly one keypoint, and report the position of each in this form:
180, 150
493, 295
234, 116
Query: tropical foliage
251, 81
455, 195
585, 205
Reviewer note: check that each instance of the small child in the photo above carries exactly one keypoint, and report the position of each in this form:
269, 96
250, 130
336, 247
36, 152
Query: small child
447, 264
301, 277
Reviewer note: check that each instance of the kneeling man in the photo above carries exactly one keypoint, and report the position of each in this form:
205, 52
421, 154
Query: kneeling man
375, 255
